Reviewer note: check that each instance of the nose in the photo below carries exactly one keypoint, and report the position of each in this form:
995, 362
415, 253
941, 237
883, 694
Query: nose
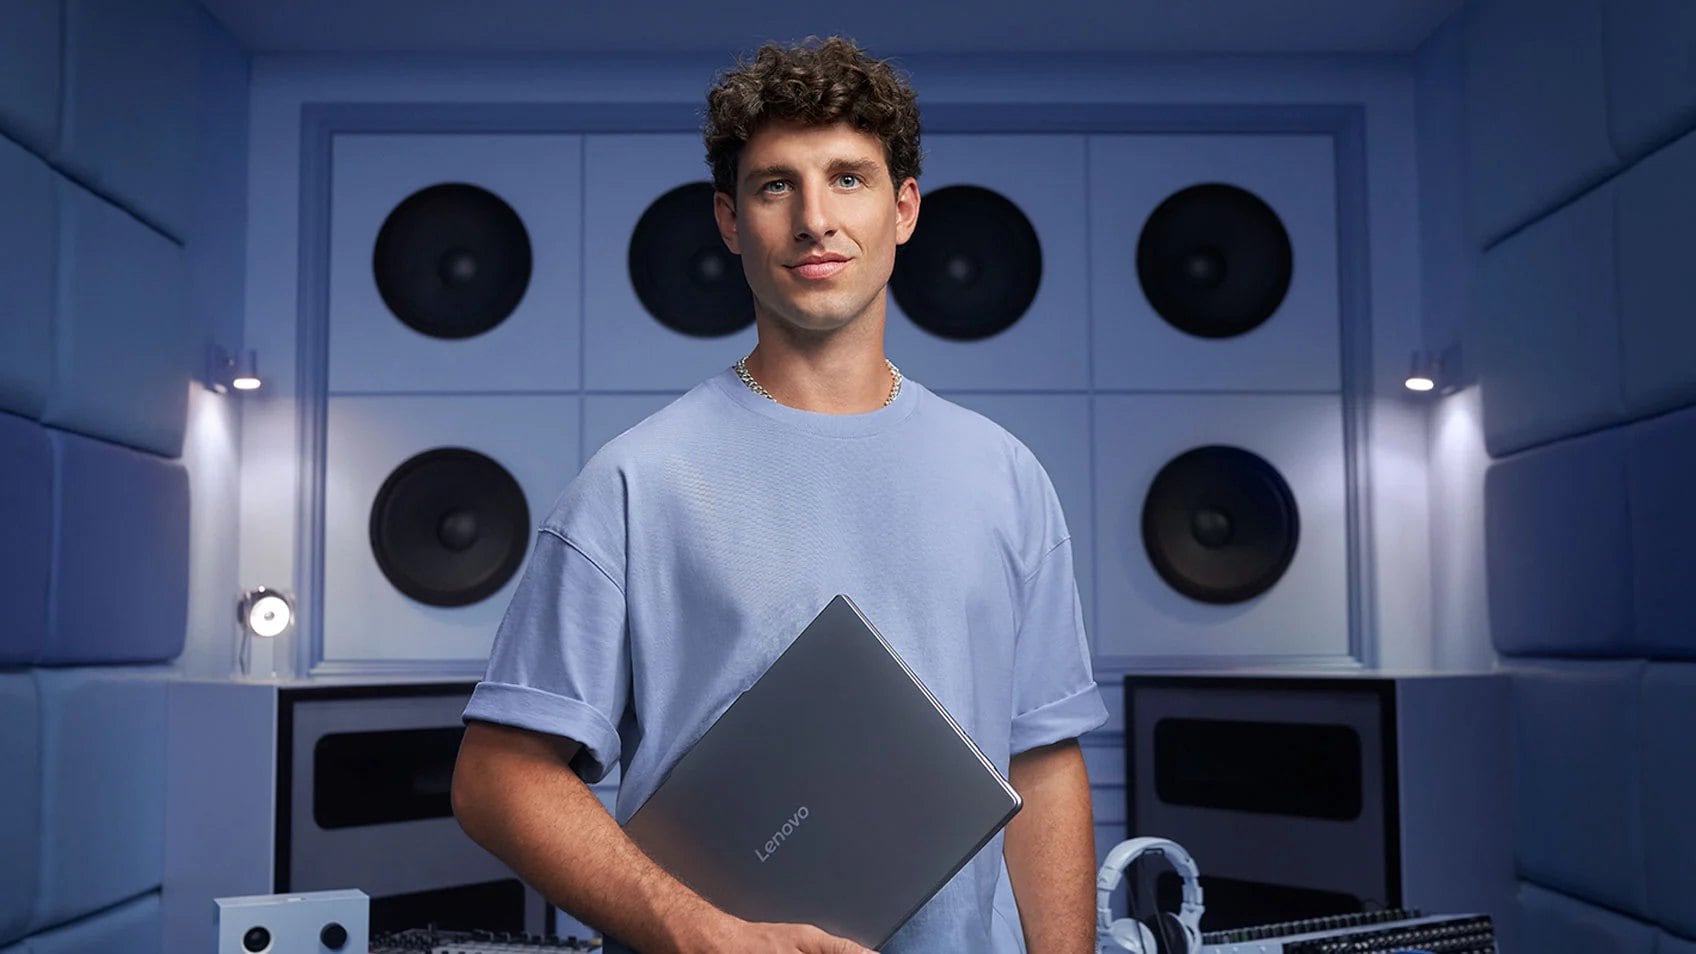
814, 216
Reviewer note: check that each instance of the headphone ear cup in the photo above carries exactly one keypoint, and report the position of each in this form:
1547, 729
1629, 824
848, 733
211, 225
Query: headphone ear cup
1132, 936
1173, 938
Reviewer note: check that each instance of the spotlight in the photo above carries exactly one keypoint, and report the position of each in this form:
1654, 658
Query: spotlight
1422, 374
262, 612
225, 371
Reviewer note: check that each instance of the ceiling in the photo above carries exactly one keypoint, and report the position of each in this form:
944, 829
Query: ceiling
886, 27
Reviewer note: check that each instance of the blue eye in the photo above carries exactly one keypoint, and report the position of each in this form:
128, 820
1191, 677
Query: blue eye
774, 186
848, 180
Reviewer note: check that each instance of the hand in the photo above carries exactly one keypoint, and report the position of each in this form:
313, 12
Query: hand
762, 938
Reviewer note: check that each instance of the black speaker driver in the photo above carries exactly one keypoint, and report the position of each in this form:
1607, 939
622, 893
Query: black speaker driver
682, 272
1214, 260
1220, 524
449, 527
972, 266
452, 260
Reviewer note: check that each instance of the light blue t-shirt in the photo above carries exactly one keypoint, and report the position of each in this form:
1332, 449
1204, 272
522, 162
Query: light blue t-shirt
692, 548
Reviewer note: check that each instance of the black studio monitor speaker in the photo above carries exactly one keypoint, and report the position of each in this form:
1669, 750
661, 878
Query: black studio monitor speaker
1305, 795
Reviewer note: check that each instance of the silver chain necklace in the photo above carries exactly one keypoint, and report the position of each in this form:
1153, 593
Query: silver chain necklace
741, 367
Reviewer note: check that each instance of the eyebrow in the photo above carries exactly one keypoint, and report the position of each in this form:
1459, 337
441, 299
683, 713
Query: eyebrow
864, 168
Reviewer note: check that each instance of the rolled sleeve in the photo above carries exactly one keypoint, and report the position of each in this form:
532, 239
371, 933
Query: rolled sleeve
561, 661
1055, 695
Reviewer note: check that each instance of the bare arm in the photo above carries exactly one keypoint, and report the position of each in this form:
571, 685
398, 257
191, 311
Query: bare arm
1050, 849
514, 793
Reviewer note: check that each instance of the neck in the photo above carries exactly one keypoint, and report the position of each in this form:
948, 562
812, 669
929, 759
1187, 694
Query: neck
837, 374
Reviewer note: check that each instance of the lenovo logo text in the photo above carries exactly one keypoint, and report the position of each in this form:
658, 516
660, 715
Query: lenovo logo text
782, 834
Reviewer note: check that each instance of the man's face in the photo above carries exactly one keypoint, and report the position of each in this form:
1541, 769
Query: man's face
816, 220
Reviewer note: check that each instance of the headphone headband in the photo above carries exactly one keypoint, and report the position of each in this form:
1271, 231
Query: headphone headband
1120, 859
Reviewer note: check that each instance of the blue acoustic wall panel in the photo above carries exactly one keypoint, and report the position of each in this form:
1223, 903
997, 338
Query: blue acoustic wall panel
20, 802
366, 618
1294, 349
1651, 71
136, 927
1579, 772
1546, 305
625, 346
1662, 471
1553, 923
120, 571
128, 128
605, 416
26, 546
1047, 346
123, 355
459, 322
1669, 778
1305, 612
27, 246
29, 74
1537, 112
103, 789
1667, 944
1558, 548
1657, 203
1056, 429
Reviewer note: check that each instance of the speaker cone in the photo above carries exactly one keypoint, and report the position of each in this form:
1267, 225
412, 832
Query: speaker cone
971, 268
1214, 260
682, 271
449, 527
452, 261
1220, 524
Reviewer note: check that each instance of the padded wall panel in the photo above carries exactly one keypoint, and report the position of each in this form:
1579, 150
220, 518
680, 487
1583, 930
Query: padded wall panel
625, 346
27, 231
1552, 923
1657, 204
1651, 71
1305, 613
120, 572
103, 789
1669, 778
137, 927
29, 74
129, 126
1668, 944
1055, 428
605, 416
1558, 548
26, 546
532, 348
1537, 112
1548, 315
1579, 768
122, 349
20, 802
366, 619
1662, 473
1048, 346
1296, 349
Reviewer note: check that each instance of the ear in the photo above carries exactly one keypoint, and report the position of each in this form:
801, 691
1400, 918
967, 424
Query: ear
724, 213
906, 210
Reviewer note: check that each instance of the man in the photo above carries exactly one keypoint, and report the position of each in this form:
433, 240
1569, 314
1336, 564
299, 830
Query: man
692, 548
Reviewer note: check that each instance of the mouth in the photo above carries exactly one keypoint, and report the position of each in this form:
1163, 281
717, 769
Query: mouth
817, 269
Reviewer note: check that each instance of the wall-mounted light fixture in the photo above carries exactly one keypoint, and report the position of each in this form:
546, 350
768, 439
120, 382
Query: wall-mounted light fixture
264, 613
225, 371
1434, 371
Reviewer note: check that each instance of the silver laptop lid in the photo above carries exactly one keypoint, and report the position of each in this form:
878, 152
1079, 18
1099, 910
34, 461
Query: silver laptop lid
836, 791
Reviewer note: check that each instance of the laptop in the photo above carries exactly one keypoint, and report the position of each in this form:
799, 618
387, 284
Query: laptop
836, 791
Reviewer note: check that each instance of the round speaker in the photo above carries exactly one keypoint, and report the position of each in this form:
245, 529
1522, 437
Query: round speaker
971, 268
449, 527
452, 261
682, 271
1214, 260
1220, 524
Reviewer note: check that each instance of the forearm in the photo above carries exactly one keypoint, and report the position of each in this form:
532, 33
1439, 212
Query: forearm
516, 796
1050, 850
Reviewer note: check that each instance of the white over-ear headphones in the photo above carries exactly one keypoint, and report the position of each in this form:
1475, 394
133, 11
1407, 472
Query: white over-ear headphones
1145, 937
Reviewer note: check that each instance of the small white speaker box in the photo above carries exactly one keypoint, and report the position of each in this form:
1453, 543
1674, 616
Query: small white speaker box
312, 922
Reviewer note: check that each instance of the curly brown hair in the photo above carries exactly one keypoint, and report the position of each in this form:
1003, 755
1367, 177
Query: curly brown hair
816, 82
